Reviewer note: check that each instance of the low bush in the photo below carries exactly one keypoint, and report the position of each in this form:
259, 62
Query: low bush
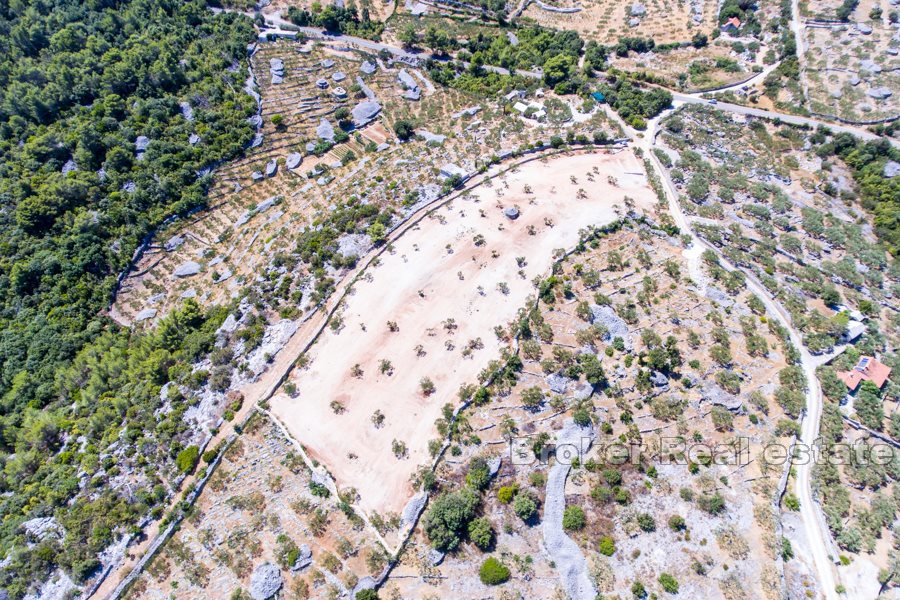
493, 572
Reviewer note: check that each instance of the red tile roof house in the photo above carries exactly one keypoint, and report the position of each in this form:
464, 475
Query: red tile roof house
732, 25
867, 369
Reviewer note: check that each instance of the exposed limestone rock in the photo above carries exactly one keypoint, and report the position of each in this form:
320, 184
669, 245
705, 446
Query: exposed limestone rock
412, 510
265, 581
558, 383
304, 558
147, 313
187, 269
494, 465
293, 160
43, 528
615, 325
713, 394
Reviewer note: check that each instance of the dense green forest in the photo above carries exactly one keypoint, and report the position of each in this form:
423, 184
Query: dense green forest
79, 83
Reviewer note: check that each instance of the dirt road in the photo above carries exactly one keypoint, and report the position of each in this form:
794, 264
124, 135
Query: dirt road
814, 525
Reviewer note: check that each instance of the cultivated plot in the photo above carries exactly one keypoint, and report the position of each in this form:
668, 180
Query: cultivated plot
420, 323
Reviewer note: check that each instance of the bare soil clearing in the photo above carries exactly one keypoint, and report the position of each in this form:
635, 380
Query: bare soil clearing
460, 265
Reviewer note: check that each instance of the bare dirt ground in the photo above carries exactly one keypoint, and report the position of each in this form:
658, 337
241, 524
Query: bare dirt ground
470, 248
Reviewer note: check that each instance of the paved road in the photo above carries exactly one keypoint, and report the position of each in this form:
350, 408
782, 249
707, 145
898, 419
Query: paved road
793, 119
755, 79
404, 54
817, 534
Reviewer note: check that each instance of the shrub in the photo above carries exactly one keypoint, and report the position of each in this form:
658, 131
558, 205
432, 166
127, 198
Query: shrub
791, 400
532, 397
646, 522
787, 551
792, 502
319, 490
713, 504
478, 476
676, 523
601, 493
84, 569
638, 590
668, 583
493, 572
786, 427
448, 516
573, 518
506, 493
582, 417
607, 546
403, 129
612, 476
187, 459
524, 506
481, 533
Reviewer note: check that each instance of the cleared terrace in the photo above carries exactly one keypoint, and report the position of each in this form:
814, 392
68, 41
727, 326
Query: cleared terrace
469, 265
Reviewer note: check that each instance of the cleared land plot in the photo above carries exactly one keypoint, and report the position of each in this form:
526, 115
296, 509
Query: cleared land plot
852, 70
434, 273
607, 20
250, 223
692, 68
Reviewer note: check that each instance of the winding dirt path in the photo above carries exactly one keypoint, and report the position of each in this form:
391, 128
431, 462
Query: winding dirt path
814, 525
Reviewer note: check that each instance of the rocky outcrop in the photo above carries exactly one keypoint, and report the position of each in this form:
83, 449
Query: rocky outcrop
713, 394
494, 465
571, 564
43, 528
325, 130
265, 581
304, 558
614, 324
558, 383
365, 112
412, 510
293, 160
353, 244
144, 315
187, 269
